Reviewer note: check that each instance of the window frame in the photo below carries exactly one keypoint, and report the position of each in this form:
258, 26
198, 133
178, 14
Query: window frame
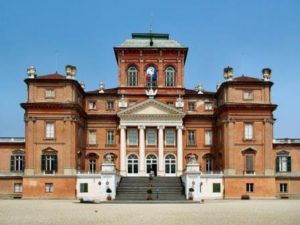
189, 143
92, 105
248, 133
206, 108
166, 137
110, 137
49, 163
49, 93
18, 187
110, 105
132, 76
208, 138
154, 135
17, 162
170, 77
279, 163
92, 137
83, 187
50, 131
216, 187
49, 187
283, 188
249, 187
193, 104
248, 95
129, 133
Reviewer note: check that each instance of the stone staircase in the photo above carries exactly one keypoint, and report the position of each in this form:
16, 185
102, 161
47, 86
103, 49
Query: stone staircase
163, 189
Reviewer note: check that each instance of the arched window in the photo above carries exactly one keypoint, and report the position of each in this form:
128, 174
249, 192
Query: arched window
132, 76
249, 156
170, 164
170, 76
133, 164
17, 161
151, 163
208, 162
92, 162
49, 161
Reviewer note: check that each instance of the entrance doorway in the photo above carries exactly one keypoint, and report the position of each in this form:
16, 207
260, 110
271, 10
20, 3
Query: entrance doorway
170, 165
151, 162
132, 165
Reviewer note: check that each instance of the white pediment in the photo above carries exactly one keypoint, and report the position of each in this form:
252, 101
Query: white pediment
151, 107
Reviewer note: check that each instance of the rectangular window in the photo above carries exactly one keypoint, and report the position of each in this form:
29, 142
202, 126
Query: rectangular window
170, 136
191, 106
92, 165
248, 135
248, 95
283, 187
18, 188
49, 163
50, 130
208, 137
191, 137
110, 105
216, 187
49, 187
208, 106
17, 163
92, 137
132, 136
110, 137
249, 187
92, 105
249, 164
283, 163
84, 188
49, 93
151, 136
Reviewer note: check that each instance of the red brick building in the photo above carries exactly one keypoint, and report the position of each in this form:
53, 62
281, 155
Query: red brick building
151, 121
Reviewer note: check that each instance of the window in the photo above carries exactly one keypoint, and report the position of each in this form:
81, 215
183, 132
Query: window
92, 137
170, 164
249, 187
216, 187
151, 136
18, 188
283, 187
283, 162
92, 165
133, 164
84, 187
92, 105
208, 106
191, 106
151, 164
170, 136
208, 164
191, 137
208, 137
49, 93
49, 163
50, 130
110, 137
49, 187
17, 162
248, 95
249, 159
170, 77
132, 77
110, 105
248, 129
132, 136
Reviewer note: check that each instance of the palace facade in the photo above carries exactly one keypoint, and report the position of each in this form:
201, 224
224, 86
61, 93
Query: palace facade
150, 123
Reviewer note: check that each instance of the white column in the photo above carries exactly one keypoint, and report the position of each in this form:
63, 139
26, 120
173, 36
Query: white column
142, 150
179, 151
123, 151
161, 170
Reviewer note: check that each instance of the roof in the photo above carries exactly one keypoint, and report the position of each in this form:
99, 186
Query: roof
142, 40
245, 78
106, 91
194, 92
54, 76
12, 140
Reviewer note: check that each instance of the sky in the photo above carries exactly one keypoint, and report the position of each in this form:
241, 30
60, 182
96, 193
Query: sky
246, 35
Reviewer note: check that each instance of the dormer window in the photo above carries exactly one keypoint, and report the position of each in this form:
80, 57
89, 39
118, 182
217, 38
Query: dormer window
50, 93
132, 76
248, 95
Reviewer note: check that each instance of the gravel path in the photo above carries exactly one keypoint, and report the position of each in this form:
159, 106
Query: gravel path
40, 212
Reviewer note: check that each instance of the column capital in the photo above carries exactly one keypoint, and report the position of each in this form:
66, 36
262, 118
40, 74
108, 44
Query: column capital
180, 127
122, 127
160, 127
141, 127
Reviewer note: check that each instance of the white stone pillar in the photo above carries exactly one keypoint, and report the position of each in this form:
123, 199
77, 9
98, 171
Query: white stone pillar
179, 151
142, 150
161, 171
123, 151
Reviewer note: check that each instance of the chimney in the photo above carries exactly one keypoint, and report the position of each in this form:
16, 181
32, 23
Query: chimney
228, 73
31, 72
71, 72
266, 74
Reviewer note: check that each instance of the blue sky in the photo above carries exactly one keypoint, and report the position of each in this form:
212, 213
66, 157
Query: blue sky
247, 35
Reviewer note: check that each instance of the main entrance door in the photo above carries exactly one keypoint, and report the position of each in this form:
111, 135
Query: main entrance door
151, 163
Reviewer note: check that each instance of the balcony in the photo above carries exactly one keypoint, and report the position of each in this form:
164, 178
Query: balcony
249, 172
286, 141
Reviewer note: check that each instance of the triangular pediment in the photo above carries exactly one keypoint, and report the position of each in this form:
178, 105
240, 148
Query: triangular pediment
151, 107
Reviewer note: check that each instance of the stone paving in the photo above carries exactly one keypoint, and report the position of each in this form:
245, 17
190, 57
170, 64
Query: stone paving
254, 212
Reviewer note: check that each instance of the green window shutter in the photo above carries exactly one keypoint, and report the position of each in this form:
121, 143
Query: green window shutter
83, 187
289, 164
216, 187
277, 164
55, 163
12, 163
43, 162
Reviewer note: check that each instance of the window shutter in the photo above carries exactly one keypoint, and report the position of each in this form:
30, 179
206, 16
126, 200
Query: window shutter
43, 162
289, 164
12, 163
55, 163
277, 164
